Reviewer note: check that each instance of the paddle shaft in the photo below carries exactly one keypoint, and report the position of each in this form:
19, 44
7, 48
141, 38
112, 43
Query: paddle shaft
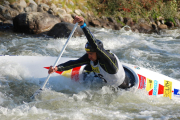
65, 45
59, 57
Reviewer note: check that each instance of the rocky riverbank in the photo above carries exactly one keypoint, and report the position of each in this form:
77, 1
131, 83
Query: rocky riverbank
56, 21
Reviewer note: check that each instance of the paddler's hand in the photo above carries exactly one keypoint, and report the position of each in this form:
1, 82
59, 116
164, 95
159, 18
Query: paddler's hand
52, 70
78, 19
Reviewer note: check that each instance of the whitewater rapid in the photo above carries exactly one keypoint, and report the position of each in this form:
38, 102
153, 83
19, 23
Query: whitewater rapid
64, 99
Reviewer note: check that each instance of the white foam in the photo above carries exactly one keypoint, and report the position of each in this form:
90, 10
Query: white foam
64, 99
23, 111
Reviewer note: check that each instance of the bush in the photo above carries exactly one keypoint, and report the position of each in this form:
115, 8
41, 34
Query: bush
135, 8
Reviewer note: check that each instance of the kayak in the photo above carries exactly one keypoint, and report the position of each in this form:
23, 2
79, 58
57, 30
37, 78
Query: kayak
154, 83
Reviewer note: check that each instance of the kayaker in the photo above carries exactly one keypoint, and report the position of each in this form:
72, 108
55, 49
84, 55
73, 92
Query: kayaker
102, 62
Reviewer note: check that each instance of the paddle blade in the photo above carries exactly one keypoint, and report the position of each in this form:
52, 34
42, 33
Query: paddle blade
36, 93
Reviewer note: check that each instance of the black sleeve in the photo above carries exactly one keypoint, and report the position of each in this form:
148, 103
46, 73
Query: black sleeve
74, 63
107, 60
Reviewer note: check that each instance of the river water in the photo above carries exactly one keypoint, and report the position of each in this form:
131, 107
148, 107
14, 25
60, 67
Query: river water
159, 53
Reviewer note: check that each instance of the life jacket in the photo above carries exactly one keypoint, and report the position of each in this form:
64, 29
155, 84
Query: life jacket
112, 79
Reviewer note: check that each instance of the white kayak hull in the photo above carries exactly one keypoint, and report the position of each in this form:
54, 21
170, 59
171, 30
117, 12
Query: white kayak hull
156, 84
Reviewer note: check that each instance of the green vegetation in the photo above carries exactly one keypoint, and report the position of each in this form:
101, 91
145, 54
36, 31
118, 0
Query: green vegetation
136, 8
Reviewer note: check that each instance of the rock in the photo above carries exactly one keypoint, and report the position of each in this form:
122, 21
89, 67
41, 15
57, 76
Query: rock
105, 22
144, 28
83, 14
162, 26
151, 19
114, 25
158, 23
10, 22
169, 24
66, 18
127, 28
20, 9
17, 7
31, 8
2, 18
6, 2
64, 29
1, 22
110, 19
120, 18
134, 28
128, 21
79, 12
32, 1
34, 22
68, 10
61, 11
141, 20
177, 23
27, 9
6, 25
38, 2
154, 26
84, 7
161, 20
136, 31
2, 9
22, 3
42, 7
59, 5
8, 13
53, 10
94, 22
117, 26
71, 3
14, 5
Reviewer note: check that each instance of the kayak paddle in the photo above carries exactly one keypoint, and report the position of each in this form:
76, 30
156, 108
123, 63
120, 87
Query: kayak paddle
44, 84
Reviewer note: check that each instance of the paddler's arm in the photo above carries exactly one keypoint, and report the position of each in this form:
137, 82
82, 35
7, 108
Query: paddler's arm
70, 64
86, 31
111, 65
74, 63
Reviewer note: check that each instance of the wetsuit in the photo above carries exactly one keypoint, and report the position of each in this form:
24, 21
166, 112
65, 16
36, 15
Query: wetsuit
106, 67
